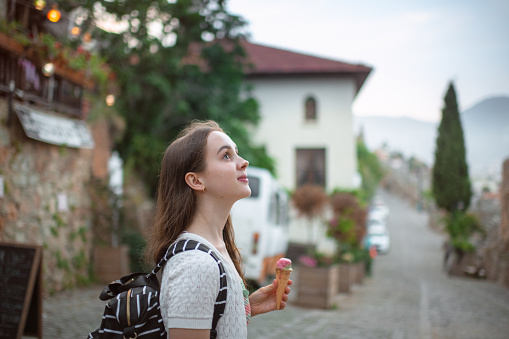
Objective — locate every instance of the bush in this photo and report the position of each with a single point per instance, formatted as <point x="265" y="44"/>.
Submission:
<point x="136" y="243"/>
<point x="461" y="226"/>
<point x="348" y="223"/>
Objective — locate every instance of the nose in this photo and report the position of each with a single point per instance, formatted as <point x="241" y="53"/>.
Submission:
<point x="243" y="163"/>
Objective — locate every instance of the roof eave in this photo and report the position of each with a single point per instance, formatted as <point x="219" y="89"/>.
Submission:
<point x="358" y="76"/>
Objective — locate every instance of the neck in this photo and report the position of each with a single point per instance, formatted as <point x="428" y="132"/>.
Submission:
<point x="209" y="220"/>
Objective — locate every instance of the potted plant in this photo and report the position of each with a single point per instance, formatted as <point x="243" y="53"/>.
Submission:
<point x="347" y="227"/>
<point x="316" y="273"/>
<point x="346" y="271"/>
<point x="460" y="250"/>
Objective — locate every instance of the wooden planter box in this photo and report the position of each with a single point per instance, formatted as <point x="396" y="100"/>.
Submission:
<point x="360" y="272"/>
<point x="317" y="286"/>
<point x="111" y="263"/>
<point x="344" y="278"/>
<point x="353" y="274"/>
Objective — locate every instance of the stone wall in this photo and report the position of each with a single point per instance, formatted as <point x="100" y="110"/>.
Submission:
<point x="494" y="217"/>
<point x="47" y="199"/>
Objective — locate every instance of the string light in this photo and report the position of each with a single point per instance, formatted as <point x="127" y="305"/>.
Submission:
<point x="54" y="14"/>
<point x="39" y="4"/>
<point x="48" y="69"/>
<point x="75" y="31"/>
<point x="110" y="100"/>
<point x="87" y="37"/>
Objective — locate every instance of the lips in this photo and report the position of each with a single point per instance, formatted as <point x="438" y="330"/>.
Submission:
<point x="243" y="178"/>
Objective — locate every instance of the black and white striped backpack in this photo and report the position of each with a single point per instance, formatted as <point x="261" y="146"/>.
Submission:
<point x="133" y="309"/>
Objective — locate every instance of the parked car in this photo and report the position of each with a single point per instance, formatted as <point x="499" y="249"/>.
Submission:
<point x="378" y="210"/>
<point x="373" y="224"/>
<point x="379" y="237"/>
<point x="261" y="225"/>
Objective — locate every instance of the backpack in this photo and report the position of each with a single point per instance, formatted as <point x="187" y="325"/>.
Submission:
<point x="133" y="309"/>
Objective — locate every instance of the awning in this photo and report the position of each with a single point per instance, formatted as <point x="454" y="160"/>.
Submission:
<point x="54" y="130"/>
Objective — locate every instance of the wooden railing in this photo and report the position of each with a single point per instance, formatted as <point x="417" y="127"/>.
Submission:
<point x="62" y="91"/>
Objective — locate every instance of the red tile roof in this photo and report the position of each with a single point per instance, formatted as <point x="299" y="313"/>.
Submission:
<point x="269" y="60"/>
<point x="274" y="62"/>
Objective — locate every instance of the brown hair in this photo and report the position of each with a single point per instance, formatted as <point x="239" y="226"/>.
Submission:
<point x="176" y="201"/>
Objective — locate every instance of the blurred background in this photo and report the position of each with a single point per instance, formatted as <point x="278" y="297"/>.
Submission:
<point x="340" y="107"/>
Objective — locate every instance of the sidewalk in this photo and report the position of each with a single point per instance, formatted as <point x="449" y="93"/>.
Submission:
<point x="72" y="314"/>
<point x="75" y="313"/>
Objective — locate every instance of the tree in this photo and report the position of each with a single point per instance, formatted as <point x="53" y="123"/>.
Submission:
<point x="451" y="183"/>
<point x="161" y="88"/>
<point x="370" y="169"/>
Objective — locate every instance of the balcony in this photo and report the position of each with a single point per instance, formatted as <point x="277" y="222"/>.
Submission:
<point x="21" y="74"/>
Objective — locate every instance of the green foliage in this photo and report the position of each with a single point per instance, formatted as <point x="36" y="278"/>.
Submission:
<point x="62" y="263"/>
<point x="80" y="260"/>
<point x="451" y="182"/>
<point x="136" y="243"/>
<point x="162" y="87"/>
<point x="371" y="172"/>
<point x="348" y="224"/>
<point x="461" y="226"/>
<point x="342" y="229"/>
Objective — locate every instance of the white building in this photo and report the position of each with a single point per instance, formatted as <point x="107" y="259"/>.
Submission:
<point x="306" y="115"/>
<point x="306" y="123"/>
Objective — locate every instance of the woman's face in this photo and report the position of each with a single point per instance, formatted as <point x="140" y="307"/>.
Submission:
<point x="225" y="171"/>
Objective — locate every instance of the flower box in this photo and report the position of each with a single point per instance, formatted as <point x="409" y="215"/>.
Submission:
<point x="360" y="272"/>
<point x="317" y="286"/>
<point x="111" y="263"/>
<point x="10" y="44"/>
<point x="346" y="273"/>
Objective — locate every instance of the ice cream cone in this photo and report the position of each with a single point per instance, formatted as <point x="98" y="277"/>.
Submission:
<point x="282" y="277"/>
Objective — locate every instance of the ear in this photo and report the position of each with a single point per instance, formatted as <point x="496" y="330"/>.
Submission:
<point x="194" y="181"/>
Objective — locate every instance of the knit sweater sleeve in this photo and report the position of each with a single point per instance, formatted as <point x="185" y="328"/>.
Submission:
<point x="189" y="287"/>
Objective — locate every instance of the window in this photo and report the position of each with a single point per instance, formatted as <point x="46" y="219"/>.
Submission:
<point x="254" y="184"/>
<point x="310" y="109"/>
<point x="310" y="166"/>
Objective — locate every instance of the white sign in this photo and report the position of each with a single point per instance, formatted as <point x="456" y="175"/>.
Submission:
<point x="62" y="204"/>
<point x="54" y="130"/>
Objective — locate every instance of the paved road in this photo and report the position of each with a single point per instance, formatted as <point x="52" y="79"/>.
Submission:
<point x="409" y="296"/>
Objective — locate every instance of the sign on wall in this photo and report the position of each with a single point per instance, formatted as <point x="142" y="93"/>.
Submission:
<point x="54" y="130"/>
<point x="21" y="292"/>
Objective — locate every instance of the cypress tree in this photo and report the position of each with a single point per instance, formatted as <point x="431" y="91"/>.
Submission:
<point x="451" y="182"/>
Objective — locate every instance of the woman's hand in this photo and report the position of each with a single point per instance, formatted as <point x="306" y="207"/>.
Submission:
<point x="264" y="299"/>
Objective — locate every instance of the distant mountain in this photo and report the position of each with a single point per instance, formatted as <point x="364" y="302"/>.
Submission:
<point x="486" y="128"/>
<point x="409" y="136"/>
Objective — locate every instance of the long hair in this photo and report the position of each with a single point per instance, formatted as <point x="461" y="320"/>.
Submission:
<point x="176" y="201"/>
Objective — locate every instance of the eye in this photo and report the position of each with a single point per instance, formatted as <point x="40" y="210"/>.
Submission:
<point x="227" y="156"/>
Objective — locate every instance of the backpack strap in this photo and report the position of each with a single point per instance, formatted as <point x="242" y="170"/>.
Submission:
<point x="189" y="245"/>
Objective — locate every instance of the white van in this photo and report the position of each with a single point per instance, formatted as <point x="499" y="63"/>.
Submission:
<point x="261" y="225"/>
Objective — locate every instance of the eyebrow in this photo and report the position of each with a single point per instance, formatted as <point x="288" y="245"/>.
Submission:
<point x="226" y="147"/>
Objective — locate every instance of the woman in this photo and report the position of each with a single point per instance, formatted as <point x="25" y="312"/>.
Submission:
<point x="202" y="176"/>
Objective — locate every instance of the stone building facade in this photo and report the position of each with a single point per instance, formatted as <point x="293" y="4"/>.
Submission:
<point x="47" y="197"/>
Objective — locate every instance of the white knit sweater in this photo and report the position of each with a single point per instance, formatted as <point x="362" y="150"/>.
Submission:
<point x="189" y="287"/>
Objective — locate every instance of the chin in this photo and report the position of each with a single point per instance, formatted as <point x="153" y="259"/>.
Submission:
<point x="247" y="193"/>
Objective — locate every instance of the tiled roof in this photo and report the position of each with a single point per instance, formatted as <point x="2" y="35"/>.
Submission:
<point x="269" y="60"/>
<point x="264" y="61"/>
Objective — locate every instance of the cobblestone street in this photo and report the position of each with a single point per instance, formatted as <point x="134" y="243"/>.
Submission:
<point x="408" y="296"/>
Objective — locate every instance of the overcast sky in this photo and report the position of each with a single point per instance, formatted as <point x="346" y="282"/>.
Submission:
<point x="415" y="47"/>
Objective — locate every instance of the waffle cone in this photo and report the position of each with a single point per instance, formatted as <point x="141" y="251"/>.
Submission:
<point x="282" y="277"/>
